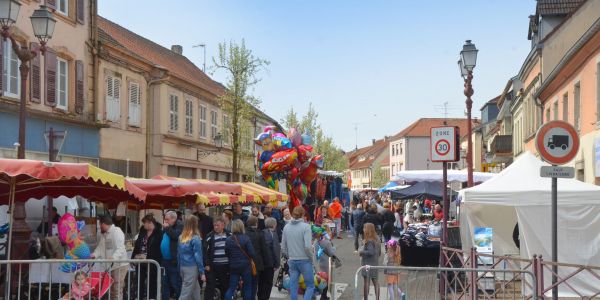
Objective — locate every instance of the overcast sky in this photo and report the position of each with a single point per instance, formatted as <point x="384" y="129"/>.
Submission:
<point x="378" y="65"/>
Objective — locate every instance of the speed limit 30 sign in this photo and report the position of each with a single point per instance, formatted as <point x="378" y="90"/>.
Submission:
<point x="444" y="144"/>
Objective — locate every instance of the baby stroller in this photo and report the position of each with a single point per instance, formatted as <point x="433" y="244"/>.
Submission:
<point x="283" y="271"/>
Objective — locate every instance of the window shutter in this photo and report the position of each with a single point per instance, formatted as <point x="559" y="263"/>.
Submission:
<point x="35" y="93"/>
<point x="79" y="94"/>
<point x="134" y="104"/>
<point x="116" y="99"/>
<point x="50" y="65"/>
<point x="51" y="4"/>
<point x="80" y="11"/>
<point x="1" y="65"/>
<point x="109" y="97"/>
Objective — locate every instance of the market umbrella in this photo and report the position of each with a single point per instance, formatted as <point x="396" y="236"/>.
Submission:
<point x="266" y="194"/>
<point x="208" y="186"/>
<point x="21" y="180"/>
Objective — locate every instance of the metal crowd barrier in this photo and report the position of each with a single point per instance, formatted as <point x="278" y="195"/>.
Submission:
<point x="45" y="279"/>
<point x="423" y="283"/>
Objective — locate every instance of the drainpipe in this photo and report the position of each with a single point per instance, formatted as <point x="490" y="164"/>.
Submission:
<point x="95" y="56"/>
<point x="158" y="75"/>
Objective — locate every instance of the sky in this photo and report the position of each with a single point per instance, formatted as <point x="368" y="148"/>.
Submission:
<point x="370" y="68"/>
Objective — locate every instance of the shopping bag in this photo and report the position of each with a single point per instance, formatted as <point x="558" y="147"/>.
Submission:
<point x="100" y="282"/>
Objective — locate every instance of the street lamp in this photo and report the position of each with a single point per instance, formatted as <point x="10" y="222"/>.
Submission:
<point x="218" y="142"/>
<point x="467" y="62"/>
<point x="43" y="28"/>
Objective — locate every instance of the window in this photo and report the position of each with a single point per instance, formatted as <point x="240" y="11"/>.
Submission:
<point x="213" y="124"/>
<point x="399" y="148"/>
<point x="11" y="78"/>
<point x="565" y="105"/>
<point x="555" y="110"/>
<point x="135" y="114"/>
<point x="113" y="98"/>
<point x="62" y="86"/>
<point x="63" y="7"/>
<point x="577" y="106"/>
<point x="393" y="150"/>
<point x="202" y="123"/>
<point x="225" y="129"/>
<point x="189" y="117"/>
<point x="173" y="113"/>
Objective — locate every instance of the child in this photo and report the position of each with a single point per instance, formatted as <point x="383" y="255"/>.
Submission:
<point x="369" y="255"/>
<point x="80" y="287"/>
<point x="393" y="258"/>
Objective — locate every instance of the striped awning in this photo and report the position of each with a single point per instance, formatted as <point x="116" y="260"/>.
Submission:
<point x="265" y="194"/>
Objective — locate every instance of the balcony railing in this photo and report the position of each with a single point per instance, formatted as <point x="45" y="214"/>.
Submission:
<point x="502" y="144"/>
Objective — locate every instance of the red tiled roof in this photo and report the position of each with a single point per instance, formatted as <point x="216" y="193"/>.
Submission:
<point x="557" y="7"/>
<point x="422" y="127"/>
<point x="370" y="153"/>
<point x="177" y="65"/>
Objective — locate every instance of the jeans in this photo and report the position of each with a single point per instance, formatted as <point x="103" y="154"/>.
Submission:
<point x="338" y="227"/>
<point x="304" y="267"/>
<point x="217" y="278"/>
<point x="356" y="236"/>
<point x="171" y="280"/>
<point x="234" y="279"/>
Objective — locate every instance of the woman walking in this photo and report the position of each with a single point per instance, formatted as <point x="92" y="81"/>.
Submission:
<point x="240" y="253"/>
<point x="263" y="256"/>
<point x="189" y="258"/>
<point x="369" y="255"/>
<point x="147" y="246"/>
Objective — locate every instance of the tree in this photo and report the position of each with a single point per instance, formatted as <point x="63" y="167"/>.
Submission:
<point x="334" y="158"/>
<point x="380" y="176"/>
<point x="242" y="68"/>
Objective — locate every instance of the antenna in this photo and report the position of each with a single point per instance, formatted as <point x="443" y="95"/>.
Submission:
<point x="355" y="135"/>
<point x="204" y="48"/>
<point x="445" y="108"/>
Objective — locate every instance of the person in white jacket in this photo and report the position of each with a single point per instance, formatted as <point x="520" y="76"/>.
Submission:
<point x="111" y="245"/>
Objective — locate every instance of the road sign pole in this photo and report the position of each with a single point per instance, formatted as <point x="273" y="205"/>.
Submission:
<point x="446" y="211"/>
<point x="554" y="237"/>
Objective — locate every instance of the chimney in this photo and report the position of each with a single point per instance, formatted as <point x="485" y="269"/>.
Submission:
<point x="373" y="141"/>
<point x="177" y="49"/>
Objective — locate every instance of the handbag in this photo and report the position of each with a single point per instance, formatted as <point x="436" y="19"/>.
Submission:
<point x="252" y="264"/>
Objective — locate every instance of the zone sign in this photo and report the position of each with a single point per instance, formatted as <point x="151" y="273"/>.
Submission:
<point x="444" y="144"/>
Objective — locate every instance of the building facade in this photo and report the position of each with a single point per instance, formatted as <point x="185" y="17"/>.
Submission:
<point x="59" y="88"/>
<point x="362" y="163"/>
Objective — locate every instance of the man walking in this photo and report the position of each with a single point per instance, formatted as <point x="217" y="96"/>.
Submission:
<point x="296" y="245"/>
<point x="205" y="221"/>
<point x="216" y="262"/>
<point x="112" y="246"/>
<point x="238" y="213"/>
<point x="171" y="281"/>
<point x="358" y="218"/>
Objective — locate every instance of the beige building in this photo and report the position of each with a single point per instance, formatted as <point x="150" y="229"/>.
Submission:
<point x="59" y="89"/>
<point x="362" y="163"/>
<point x="162" y="113"/>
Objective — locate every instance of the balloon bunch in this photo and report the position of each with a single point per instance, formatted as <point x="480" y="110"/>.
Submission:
<point x="68" y="233"/>
<point x="320" y="280"/>
<point x="288" y="157"/>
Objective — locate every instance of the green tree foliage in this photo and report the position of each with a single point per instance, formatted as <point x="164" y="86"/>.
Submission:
<point x="241" y="67"/>
<point x="334" y="157"/>
<point x="380" y="176"/>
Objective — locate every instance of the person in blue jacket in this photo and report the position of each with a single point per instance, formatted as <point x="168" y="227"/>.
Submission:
<point x="240" y="253"/>
<point x="189" y="259"/>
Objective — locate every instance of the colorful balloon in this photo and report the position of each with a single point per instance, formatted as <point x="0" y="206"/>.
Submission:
<point x="280" y="161"/>
<point x="265" y="141"/>
<point x="295" y="137"/>
<point x="300" y="190"/>
<point x="68" y="233"/>
<point x="282" y="143"/>
<point x="306" y="139"/>
<point x="309" y="174"/>
<point x="305" y="153"/>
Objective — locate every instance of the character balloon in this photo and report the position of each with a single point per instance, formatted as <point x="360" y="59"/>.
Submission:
<point x="68" y="233"/>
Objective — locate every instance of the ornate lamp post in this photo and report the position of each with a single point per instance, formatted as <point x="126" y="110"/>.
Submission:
<point x="43" y="27"/>
<point x="467" y="62"/>
<point x="218" y="145"/>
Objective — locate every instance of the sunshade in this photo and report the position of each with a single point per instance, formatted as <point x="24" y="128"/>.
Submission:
<point x="436" y="176"/>
<point x="420" y="190"/>
<point x="37" y="179"/>
<point x="265" y="194"/>
<point x="209" y="186"/>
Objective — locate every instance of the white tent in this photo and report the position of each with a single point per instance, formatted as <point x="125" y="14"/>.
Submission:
<point x="436" y="176"/>
<point x="519" y="194"/>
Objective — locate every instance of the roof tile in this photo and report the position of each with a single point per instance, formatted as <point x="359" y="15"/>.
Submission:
<point x="422" y="127"/>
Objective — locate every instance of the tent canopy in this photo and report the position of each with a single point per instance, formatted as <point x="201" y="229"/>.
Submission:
<point x="421" y="190"/>
<point x="519" y="195"/>
<point x="436" y="176"/>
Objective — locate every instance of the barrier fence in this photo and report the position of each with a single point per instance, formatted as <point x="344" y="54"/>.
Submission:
<point x="55" y="279"/>
<point x="573" y="280"/>
<point x="417" y="283"/>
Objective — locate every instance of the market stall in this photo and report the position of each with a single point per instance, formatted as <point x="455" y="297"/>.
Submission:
<point x="518" y="195"/>
<point x="420" y="190"/>
<point x="436" y="176"/>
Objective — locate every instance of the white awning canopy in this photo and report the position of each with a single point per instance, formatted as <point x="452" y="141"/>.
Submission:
<point x="436" y="175"/>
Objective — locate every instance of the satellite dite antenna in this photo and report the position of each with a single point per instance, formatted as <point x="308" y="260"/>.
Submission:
<point x="204" y="48"/>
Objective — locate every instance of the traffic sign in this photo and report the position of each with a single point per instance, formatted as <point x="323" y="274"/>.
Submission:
<point x="444" y="144"/>
<point x="557" y="172"/>
<point x="557" y="142"/>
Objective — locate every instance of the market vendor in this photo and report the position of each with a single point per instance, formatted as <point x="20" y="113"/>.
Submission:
<point x="438" y="213"/>
<point x="43" y="227"/>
